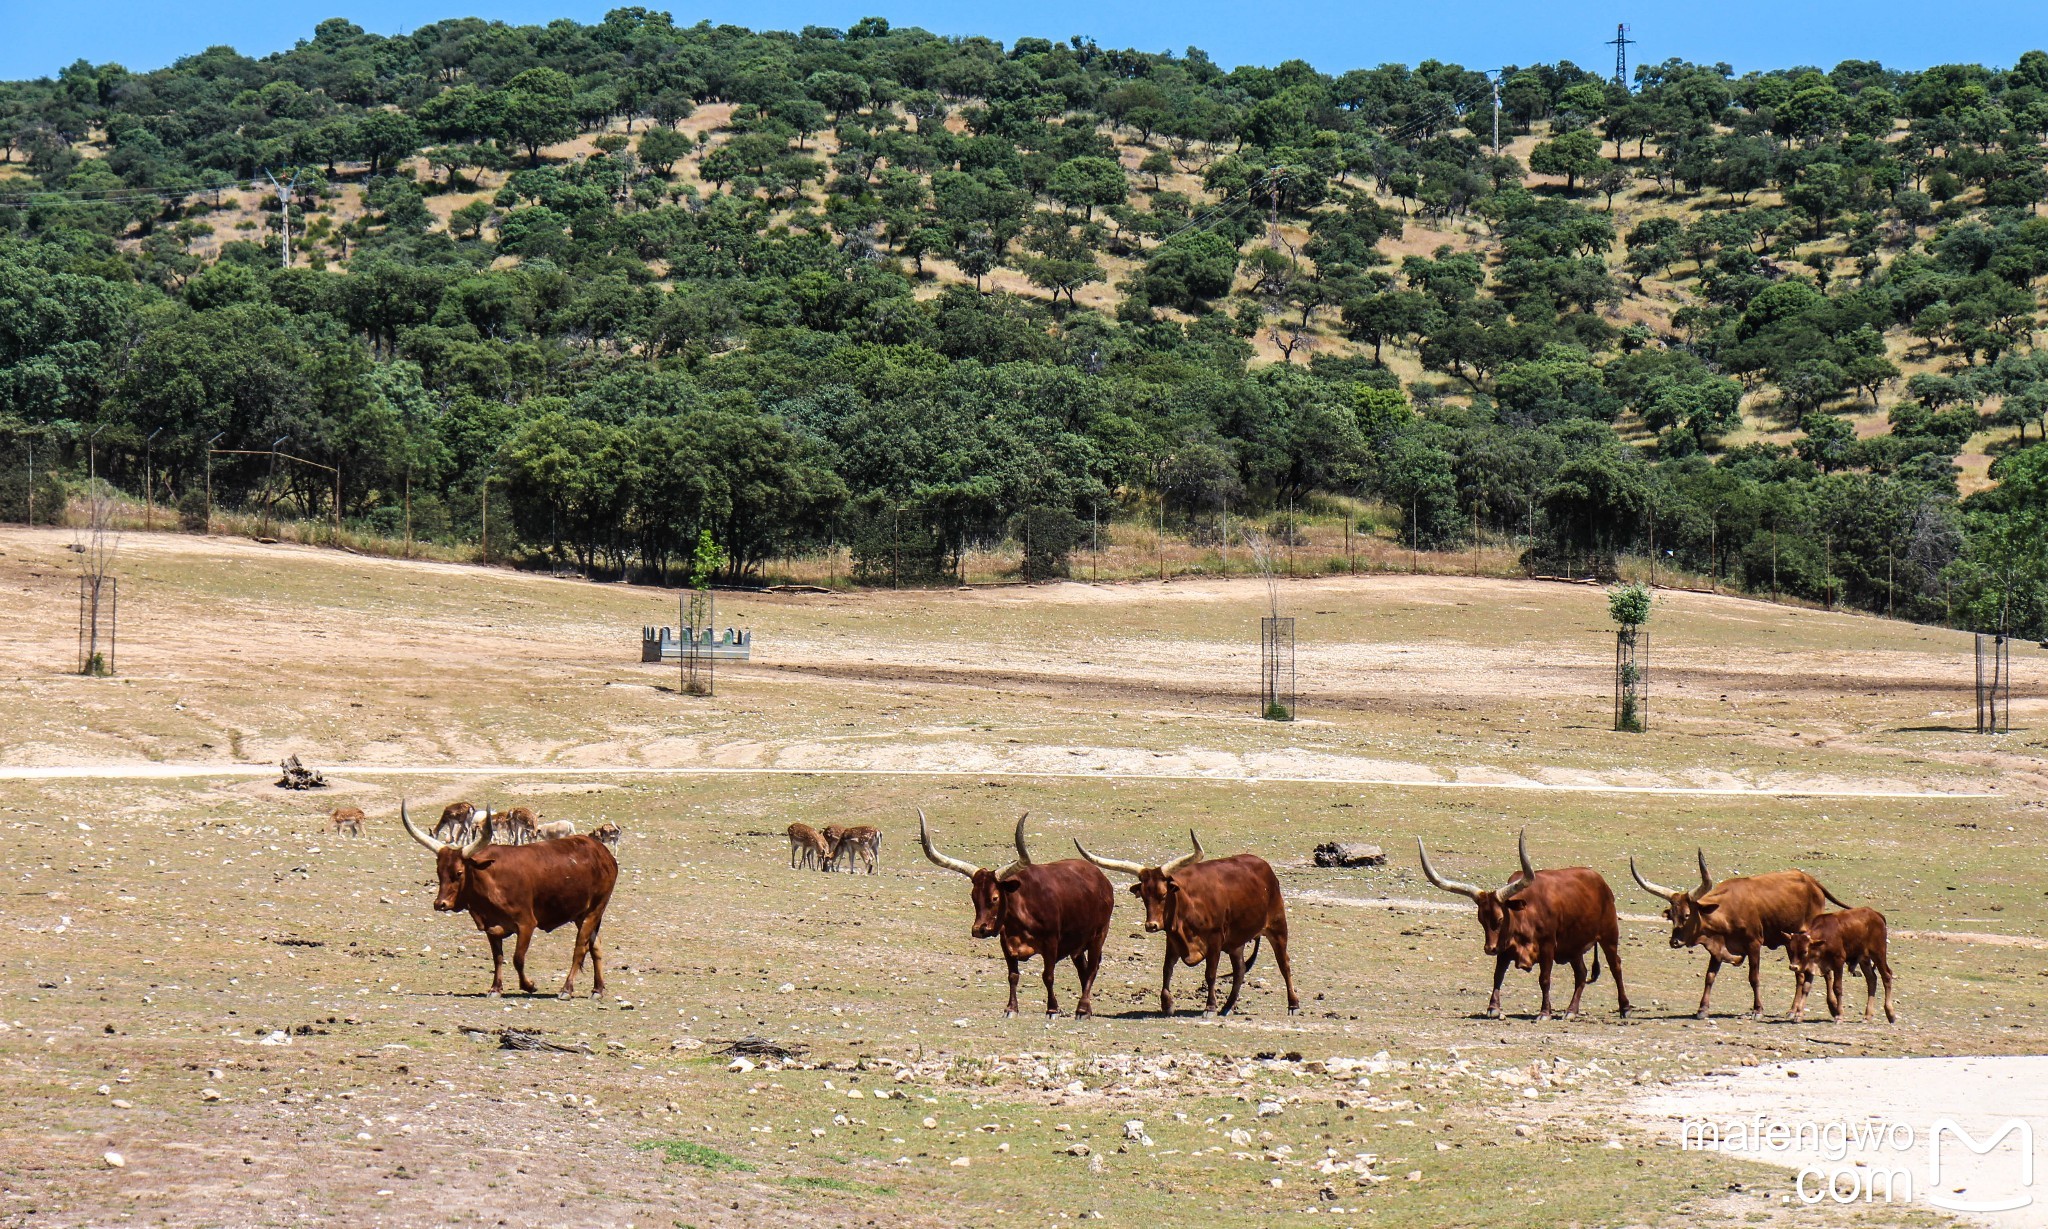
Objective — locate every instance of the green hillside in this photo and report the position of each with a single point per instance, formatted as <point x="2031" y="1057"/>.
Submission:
<point x="917" y="295"/>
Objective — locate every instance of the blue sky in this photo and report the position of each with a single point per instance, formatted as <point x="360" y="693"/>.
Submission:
<point x="43" y="35"/>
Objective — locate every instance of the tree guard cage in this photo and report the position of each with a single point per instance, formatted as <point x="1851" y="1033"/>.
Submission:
<point x="99" y="623"/>
<point x="1632" y="679"/>
<point x="699" y="612"/>
<point x="1994" y="684"/>
<point x="1276" y="669"/>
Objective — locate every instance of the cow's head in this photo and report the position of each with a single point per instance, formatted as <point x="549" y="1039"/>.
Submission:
<point x="453" y="863"/>
<point x="1688" y="912"/>
<point x="1156" y="888"/>
<point x="992" y="891"/>
<point x="1502" y="914"/>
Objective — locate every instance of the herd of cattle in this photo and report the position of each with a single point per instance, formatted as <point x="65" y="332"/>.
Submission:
<point x="541" y="876"/>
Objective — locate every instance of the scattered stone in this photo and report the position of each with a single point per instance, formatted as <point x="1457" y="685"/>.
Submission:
<point x="1349" y="853"/>
<point x="740" y="1065"/>
<point x="114" y="1160"/>
<point x="1077" y="1148"/>
<point x="1269" y="1108"/>
<point x="119" y="1104"/>
<point x="209" y="1094"/>
<point x="961" y="1162"/>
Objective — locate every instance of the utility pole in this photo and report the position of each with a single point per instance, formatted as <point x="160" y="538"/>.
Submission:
<point x="284" y="201"/>
<point x="1494" y="78"/>
<point x="270" y="487"/>
<point x="149" y="480"/>
<point x="1620" y="42"/>
<point x="209" y="480"/>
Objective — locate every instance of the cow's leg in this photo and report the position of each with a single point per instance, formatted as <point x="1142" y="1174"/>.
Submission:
<point x="1543" y="967"/>
<point x="1052" y="966"/>
<point x="1166" y="984"/>
<point x="1500" y="974"/>
<point x="1236" y="979"/>
<point x="1756" y="981"/>
<point x="1837" y="980"/>
<point x="1612" y="947"/>
<point x="497" y="963"/>
<point x="1088" y="972"/>
<point x="1278" y="938"/>
<point x="1884" y="967"/>
<point x="596" y="963"/>
<point x="1209" y="978"/>
<point x="586" y="942"/>
<point x="1011" y="1010"/>
<point x="1795" y="951"/>
<point x="1707" y="991"/>
<point x="519" y="958"/>
<point x="1571" y="1011"/>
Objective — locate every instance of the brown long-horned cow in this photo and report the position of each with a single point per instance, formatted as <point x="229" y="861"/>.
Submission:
<point x="1736" y="919"/>
<point x="1058" y="910"/>
<point x="1209" y="910"/>
<point x="517" y="889"/>
<point x="1541" y="917"/>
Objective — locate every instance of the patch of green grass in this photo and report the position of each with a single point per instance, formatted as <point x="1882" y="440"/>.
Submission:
<point x="808" y="1182"/>
<point x="694" y="1154"/>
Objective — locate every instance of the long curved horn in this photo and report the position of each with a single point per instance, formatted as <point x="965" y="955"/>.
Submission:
<point x="1528" y="872"/>
<point x="1706" y="878"/>
<point x="1669" y="894"/>
<point x="1011" y="869"/>
<point x="924" y="837"/>
<point x="1448" y="885"/>
<point x="1167" y="868"/>
<point x="1110" y="864"/>
<point x="1023" y="854"/>
<point x="415" y="833"/>
<point x="482" y="838"/>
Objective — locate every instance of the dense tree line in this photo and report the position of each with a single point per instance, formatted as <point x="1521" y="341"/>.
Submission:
<point x="780" y="326"/>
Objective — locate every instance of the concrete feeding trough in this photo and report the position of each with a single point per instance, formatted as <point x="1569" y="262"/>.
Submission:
<point x="663" y="644"/>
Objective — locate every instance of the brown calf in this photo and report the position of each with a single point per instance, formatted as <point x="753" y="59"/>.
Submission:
<point x="1852" y="939"/>
<point x="607" y="834"/>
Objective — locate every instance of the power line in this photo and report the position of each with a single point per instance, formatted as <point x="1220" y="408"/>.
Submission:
<point x="1620" y="42"/>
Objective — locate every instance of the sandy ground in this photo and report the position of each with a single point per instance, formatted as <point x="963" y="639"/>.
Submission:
<point x="170" y="911"/>
<point x="1840" y="1121"/>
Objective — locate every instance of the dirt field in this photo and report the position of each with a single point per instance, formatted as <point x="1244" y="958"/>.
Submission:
<point x="267" y="1024"/>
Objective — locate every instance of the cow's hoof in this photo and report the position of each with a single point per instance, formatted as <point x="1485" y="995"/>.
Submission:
<point x="1701" y="1014"/>
<point x="1010" y="1015"/>
<point x="1542" y="1016"/>
<point x="1493" y="1013"/>
<point x="1294" y="1009"/>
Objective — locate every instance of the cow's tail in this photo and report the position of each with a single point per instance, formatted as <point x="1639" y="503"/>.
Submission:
<point x="1830" y="895"/>
<point x="1255" y="953"/>
<point x="1595" y="976"/>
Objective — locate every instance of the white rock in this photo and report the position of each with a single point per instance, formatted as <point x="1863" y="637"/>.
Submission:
<point x="114" y="1160"/>
<point x="119" y="1104"/>
<point x="1241" y="1137"/>
<point x="930" y="1123"/>
<point x="961" y="1162"/>
<point x="785" y="988"/>
<point x="740" y="1065"/>
<point x="1269" y="1108"/>
<point x="686" y="1043"/>
<point x="1077" y="1148"/>
<point x="209" y="1094"/>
